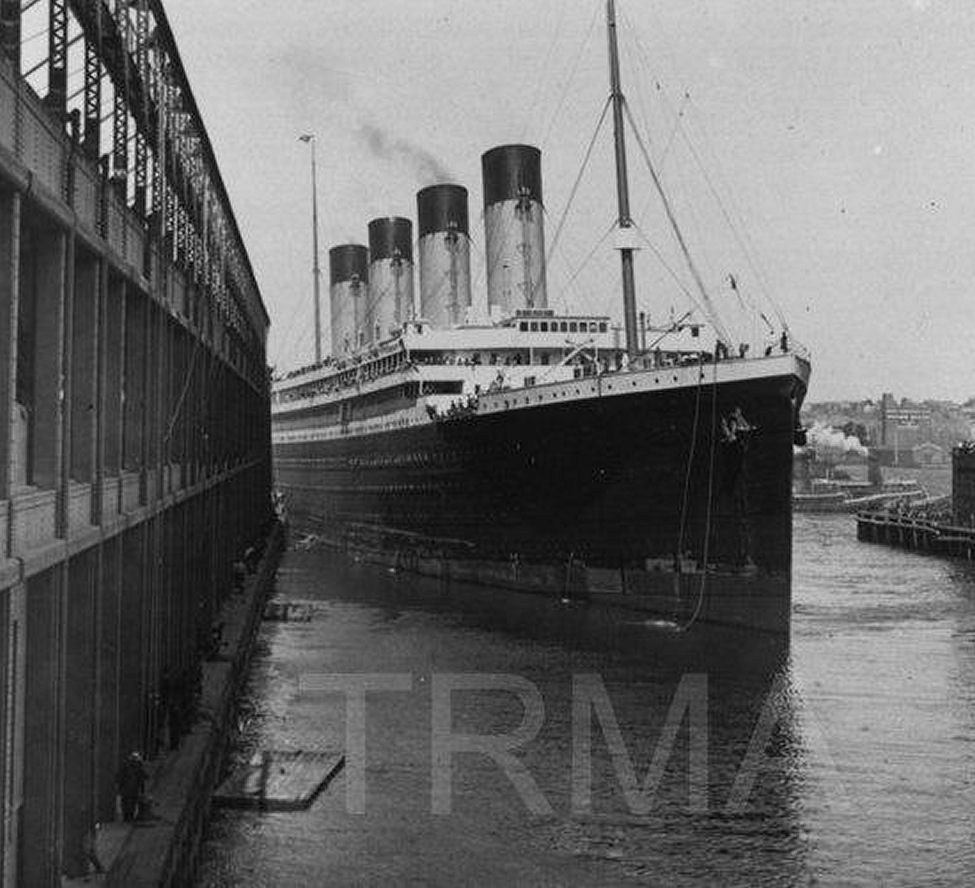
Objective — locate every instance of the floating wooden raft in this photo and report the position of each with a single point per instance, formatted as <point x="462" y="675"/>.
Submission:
<point x="279" y="780"/>
<point x="288" y="611"/>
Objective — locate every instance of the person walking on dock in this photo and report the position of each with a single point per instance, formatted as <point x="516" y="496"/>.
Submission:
<point x="90" y="847"/>
<point x="131" y="783"/>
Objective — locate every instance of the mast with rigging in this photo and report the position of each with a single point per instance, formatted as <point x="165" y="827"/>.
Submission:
<point x="622" y="187"/>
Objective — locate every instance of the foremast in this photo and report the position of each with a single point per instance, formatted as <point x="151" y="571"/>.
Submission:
<point x="622" y="186"/>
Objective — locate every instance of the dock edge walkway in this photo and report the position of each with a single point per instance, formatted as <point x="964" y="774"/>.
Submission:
<point x="163" y="850"/>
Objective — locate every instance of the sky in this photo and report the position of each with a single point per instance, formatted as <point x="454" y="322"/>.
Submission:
<point x="820" y="151"/>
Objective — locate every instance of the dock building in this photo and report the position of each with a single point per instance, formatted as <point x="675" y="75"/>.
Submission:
<point x="134" y="423"/>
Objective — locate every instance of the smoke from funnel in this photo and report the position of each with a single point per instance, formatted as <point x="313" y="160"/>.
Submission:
<point x="822" y="436"/>
<point x="427" y="169"/>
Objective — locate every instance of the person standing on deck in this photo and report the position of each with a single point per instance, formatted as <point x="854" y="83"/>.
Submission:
<point x="131" y="783"/>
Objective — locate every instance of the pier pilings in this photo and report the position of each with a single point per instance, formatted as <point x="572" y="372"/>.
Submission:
<point x="916" y="533"/>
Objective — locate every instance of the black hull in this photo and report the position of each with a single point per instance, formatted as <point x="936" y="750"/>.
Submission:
<point x="646" y="498"/>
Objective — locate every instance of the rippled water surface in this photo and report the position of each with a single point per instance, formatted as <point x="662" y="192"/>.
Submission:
<point x="848" y="758"/>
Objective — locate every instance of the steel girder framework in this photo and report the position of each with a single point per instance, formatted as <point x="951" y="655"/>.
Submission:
<point x="161" y="159"/>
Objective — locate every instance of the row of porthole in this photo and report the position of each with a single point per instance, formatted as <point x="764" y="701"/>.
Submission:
<point x="384" y="427"/>
<point x="408" y="459"/>
<point x="541" y="398"/>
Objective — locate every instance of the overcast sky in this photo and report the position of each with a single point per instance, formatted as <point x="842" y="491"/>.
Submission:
<point x="838" y="136"/>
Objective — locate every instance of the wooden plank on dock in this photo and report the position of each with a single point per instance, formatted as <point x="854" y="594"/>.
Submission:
<point x="279" y="780"/>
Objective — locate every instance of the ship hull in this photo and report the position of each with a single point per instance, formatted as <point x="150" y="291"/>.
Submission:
<point x="654" y="500"/>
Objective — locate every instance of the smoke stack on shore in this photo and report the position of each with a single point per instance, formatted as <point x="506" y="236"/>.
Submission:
<point x="445" y="254"/>
<point x="390" y="276"/>
<point x="348" y="290"/>
<point x="514" y="228"/>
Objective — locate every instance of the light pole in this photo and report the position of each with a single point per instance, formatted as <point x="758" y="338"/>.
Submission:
<point x="316" y="271"/>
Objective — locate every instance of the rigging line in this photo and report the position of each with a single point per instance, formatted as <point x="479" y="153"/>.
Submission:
<point x="709" y="307"/>
<point x="709" y="506"/>
<point x="685" y="191"/>
<point x="578" y="180"/>
<point x="690" y="464"/>
<point x="644" y="56"/>
<point x="674" y="327"/>
<point x="705" y="138"/>
<point x="665" y="44"/>
<point x="543" y="74"/>
<point x="670" y="144"/>
<point x="572" y="74"/>
<point x="592" y="252"/>
<point x="580" y="298"/>
<point x="677" y="113"/>
<point x="743" y="297"/>
<point x="685" y="101"/>
<point x="645" y="71"/>
<point x="683" y="287"/>
<point x="296" y="313"/>
<point x="738" y="235"/>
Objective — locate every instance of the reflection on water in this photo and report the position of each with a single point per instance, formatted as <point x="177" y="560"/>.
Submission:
<point x="847" y="758"/>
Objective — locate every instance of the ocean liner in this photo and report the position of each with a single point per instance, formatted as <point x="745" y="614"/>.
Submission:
<point x="512" y="445"/>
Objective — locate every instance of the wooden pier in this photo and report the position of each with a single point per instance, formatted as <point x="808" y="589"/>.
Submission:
<point x="916" y="533"/>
